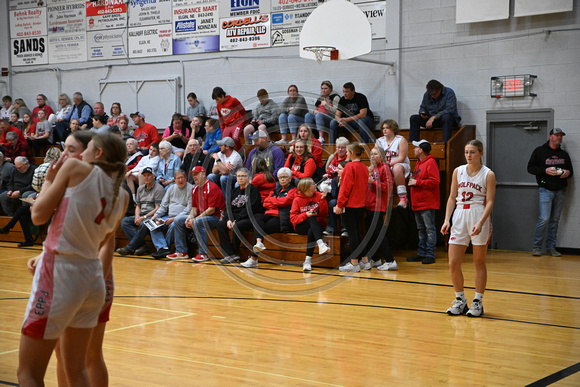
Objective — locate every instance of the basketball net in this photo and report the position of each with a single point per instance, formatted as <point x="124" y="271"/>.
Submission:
<point x="323" y="51"/>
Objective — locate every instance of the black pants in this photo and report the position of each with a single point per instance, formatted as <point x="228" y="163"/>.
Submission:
<point x="313" y="229"/>
<point x="37" y="144"/>
<point x="232" y="247"/>
<point x="352" y="218"/>
<point x="22" y="215"/>
<point x="378" y="244"/>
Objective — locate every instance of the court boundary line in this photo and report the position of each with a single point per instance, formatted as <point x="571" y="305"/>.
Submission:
<point x="556" y="376"/>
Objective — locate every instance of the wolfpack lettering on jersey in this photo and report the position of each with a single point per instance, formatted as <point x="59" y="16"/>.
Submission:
<point x="392" y="149"/>
<point x="310" y="207"/>
<point x="471" y="190"/>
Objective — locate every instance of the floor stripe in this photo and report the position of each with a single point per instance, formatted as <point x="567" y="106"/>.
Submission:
<point x="5" y="383"/>
<point x="148" y="323"/>
<point x="557" y="376"/>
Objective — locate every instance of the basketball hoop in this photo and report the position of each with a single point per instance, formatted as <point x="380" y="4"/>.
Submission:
<point x="323" y="51"/>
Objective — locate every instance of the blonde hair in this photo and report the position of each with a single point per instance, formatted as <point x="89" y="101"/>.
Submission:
<point x="113" y="158"/>
<point x="310" y="137"/>
<point x="478" y="144"/>
<point x="52" y="154"/>
<point x="305" y="184"/>
<point x="356" y="148"/>
<point x="381" y="153"/>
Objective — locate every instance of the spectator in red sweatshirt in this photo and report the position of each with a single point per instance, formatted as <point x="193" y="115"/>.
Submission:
<point x="351" y="203"/>
<point x="232" y="115"/>
<point x="378" y="200"/>
<point x="425" y="200"/>
<point x="308" y="212"/>
<point x="302" y="163"/>
<point x="262" y="179"/>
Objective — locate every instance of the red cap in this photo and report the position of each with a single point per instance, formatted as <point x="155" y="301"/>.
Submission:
<point x="198" y="169"/>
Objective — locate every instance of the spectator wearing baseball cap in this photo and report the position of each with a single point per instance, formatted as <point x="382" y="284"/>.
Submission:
<point x="207" y="204"/>
<point x="424" y="185"/>
<point x="267" y="150"/>
<point x="145" y="134"/>
<point x="552" y="167"/>
<point x="147" y="201"/>
<point x="227" y="163"/>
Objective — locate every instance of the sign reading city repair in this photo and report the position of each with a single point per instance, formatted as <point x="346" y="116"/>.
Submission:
<point x="29" y="51"/>
<point x="149" y="12"/>
<point x="67" y="48"/>
<point x="106" y="14"/>
<point x="66" y="18"/>
<point x="150" y="41"/>
<point x="198" y="20"/>
<point x="28" y="22"/>
<point x="21" y="4"/>
<point x="237" y="8"/>
<point x="245" y="33"/>
<point x="196" y="45"/>
<point x="110" y="44"/>
<point x="289" y="5"/>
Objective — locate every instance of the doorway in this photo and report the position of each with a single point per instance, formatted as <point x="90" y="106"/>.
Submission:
<point x="512" y="136"/>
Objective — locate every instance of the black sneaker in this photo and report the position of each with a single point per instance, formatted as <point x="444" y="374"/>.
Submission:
<point x="26" y="244"/>
<point x="161" y="253"/>
<point x="415" y="258"/>
<point x="4" y="230"/>
<point x="428" y="260"/>
<point x="143" y="250"/>
<point x="124" y="251"/>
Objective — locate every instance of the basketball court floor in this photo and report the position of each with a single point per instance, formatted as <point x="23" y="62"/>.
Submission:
<point x="179" y="323"/>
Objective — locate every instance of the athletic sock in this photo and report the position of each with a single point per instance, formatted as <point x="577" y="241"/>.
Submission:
<point x="460" y="295"/>
<point x="478" y="296"/>
<point x="320" y="243"/>
<point x="308" y="258"/>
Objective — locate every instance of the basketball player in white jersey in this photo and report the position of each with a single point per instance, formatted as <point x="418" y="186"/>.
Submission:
<point x="68" y="290"/>
<point x="397" y="156"/>
<point x="472" y="195"/>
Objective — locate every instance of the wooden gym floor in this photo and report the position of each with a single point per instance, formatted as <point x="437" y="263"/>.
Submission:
<point x="179" y="323"/>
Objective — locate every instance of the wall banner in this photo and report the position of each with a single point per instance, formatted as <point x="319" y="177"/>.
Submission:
<point x="198" y="20"/>
<point x="245" y="33"/>
<point x="150" y="41"/>
<point x="237" y="8"/>
<point x="286" y="37"/>
<point x="28" y="22"/>
<point x="29" y="51"/>
<point x="66" y="18"/>
<point x="149" y="12"/>
<point x="106" y="14"/>
<point x="290" y="19"/>
<point x="21" y="4"/>
<point x="111" y="44"/>
<point x="375" y="12"/>
<point x="67" y="48"/>
<point x="196" y="45"/>
<point x="290" y="5"/>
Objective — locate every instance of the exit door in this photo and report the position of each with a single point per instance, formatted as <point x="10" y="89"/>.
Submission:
<point x="512" y="137"/>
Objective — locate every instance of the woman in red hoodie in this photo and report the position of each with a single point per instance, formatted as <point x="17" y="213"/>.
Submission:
<point x="308" y="212"/>
<point x="263" y="179"/>
<point x="305" y="133"/>
<point x="301" y="162"/>
<point x="378" y="201"/>
<point x="232" y="115"/>
<point x="351" y="203"/>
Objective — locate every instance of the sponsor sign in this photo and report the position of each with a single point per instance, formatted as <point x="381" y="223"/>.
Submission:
<point x="290" y="5"/>
<point x="29" y="51"/>
<point x="183" y="3"/>
<point x="149" y="12"/>
<point x="237" y="8"/>
<point x="376" y="13"/>
<point x="67" y="18"/>
<point x="196" y="45"/>
<point x="110" y="44"/>
<point x="67" y="48"/>
<point x="197" y="20"/>
<point x="28" y="22"/>
<point x="290" y="18"/>
<point x="150" y="41"/>
<point x="21" y="4"/>
<point x="286" y="37"/>
<point x="106" y="14"/>
<point x="245" y="33"/>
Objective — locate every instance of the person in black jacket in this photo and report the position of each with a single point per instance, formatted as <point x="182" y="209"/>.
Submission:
<point x="552" y="167"/>
<point x="245" y="203"/>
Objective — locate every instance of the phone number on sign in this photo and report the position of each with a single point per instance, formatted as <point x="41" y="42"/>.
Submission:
<point x="28" y="33"/>
<point x="245" y="39"/>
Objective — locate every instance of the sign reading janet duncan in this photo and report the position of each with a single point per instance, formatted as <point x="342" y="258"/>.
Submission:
<point x="195" y="20"/>
<point x="106" y="14"/>
<point x="29" y="51"/>
<point x="110" y="44"/>
<point x="67" y="48"/>
<point x="245" y="33"/>
<point x="237" y="8"/>
<point x="28" y="22"/>
<point x="196" y="45"/>
<point x="150" y="41"/>
<point x="67" y="18"/>
<point x="375" y="12"/>
<point x="21" y="4"/>
<point x="149" y="12"/>
<point x="289" y="5"/>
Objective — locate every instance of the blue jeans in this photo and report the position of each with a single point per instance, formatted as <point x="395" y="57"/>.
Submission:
<point x="427" y="233"/>
<point x="321" y="120"/>
<point x="180" y="233"/>
<point x="201" y="226"/>
<point x="289" y="121"/>
<point x="364" y="127"/>
<point x="161" y="241"/>
<point x="551" y="203"/>
<point x="128" y="227"/>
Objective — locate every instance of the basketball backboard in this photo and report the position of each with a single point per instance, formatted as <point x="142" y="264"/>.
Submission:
<point x="339" y="24"/>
